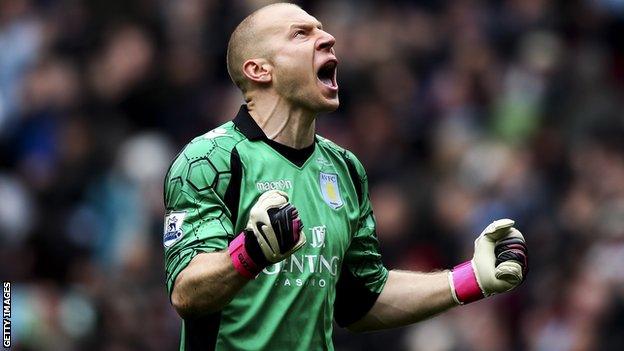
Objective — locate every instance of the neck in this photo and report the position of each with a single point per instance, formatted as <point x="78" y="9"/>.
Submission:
<point x="282" y="122"/>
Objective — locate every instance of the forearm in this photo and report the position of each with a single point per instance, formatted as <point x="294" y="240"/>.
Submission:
<point x="207" y="284"/>
<point x="211" y="280"/>
<point x="407" y="297"/>
<point x="499" y="264"/>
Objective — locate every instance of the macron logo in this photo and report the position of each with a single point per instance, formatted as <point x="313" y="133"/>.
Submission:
<point x="281" y="184"/>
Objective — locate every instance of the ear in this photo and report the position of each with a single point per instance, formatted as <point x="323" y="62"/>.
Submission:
<point x="258" y="70"/>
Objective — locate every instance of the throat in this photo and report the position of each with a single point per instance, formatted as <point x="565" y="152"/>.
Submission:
<point x="285" y="124"/>
<point x="294" y="140"/>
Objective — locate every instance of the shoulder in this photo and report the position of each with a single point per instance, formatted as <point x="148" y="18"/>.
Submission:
<point x="206" y="159"/>
<point x="215" y="144"/>
<point x="356" y="170"/>
<point x="349" y="157"/>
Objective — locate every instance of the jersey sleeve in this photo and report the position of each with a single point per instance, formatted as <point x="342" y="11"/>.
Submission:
<point x="197" y="218"/>
<point x="363" y="274"/>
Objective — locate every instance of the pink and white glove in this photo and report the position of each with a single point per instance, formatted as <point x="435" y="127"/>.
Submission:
<point x="499" y="264"/>
<point x="274" y="231"/>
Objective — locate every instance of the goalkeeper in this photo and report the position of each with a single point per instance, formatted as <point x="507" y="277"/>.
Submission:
<point x="269" y="233"/>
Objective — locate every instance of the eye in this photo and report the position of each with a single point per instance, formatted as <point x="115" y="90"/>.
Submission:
<point x="299" y="32"/>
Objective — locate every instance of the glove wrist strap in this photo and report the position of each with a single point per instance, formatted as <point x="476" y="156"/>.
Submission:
<point x="242" y="261"/>
<point x="465" y="284"/>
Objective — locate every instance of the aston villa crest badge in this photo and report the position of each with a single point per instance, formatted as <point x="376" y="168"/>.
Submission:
<point x="330" y="190"/>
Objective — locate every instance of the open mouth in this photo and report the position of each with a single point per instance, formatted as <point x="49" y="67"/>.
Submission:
<point x="327" y="74"/>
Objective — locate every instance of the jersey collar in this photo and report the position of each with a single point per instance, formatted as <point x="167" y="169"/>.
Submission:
<point x="250" y="129"/>
<point x="248" y="126"/>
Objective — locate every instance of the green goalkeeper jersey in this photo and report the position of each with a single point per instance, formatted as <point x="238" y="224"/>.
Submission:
<point x="338" y="274"/>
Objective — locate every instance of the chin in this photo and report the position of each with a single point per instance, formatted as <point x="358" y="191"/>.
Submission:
<point x="320" y="104"/>
<point x="326" y="97"/>
<point x="330" y="105"/>
<point x="326" y="103"/>
<point x="315" y="100"/>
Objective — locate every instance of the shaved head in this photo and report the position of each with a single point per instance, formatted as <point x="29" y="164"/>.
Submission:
<point x="281" y="53"/>
<point x="247" y="42"/>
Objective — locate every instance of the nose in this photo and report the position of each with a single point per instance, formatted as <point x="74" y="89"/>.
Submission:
<point x="326" y="42"/>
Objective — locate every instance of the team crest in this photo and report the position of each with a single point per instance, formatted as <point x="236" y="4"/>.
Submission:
<point x="330" y="190"/>
<point x="173" y="227"/>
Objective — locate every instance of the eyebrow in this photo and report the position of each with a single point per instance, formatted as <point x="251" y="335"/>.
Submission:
<point x="307" y="25"/>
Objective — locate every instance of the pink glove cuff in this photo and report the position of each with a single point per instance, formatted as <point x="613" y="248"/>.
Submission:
<point x="465" y="283"/>
<point x="241" y="259"/>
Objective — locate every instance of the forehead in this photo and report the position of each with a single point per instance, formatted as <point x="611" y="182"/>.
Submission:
<point x="279" y="18"/>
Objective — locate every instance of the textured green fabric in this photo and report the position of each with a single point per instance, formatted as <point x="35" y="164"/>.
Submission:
<point x="290" y="305"/>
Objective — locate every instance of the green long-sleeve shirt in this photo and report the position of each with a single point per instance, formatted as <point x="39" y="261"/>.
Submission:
<point x="209" y="190"/>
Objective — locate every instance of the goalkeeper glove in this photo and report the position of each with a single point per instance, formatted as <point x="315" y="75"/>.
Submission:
<point x="499" y="264"/>
<point x="274" y="231"/>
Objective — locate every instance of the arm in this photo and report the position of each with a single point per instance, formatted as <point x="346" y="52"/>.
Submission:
<point x="204" y="267"/>
<point x="373" y="298"/>
<point x="368" y="297"/>
<point x="498" y="265"/>
<point x="210" y="280"/>
<point x="407" y="297"/>
<point x="207" y="284"/>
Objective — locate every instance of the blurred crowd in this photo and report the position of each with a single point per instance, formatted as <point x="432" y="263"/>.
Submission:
<point x="462" y="112"/>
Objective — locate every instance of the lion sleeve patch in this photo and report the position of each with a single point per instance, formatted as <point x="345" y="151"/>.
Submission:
<point x="173" y="227"/>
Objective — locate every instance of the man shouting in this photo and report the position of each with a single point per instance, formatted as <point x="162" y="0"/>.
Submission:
<point x="269" y="231"/>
